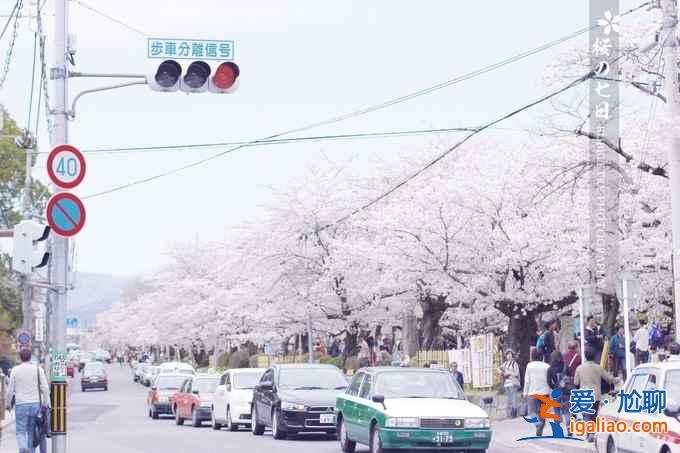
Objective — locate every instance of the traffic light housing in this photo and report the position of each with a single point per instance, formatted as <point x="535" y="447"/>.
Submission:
<point x="26" y="253"/>
<point x="197" y="78"/>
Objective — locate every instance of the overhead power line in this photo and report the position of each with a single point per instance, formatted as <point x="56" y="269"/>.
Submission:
<point x="363" y="111"/>
<point x="111" y="18"/>
<point x="9" y="19"/>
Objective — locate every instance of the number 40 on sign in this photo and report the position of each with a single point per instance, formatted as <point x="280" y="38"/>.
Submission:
<point x="66" y="166"/>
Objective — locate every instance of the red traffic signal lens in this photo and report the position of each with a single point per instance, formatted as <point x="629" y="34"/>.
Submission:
<point x="197" y="74"/>
<point x="168" y="73"/>
<point x="226" y="75"/>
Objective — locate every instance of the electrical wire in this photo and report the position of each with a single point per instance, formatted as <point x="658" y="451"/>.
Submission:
<point x="317" y="138"/>
<point x="9" y="19"/>
<point x="457" y="145"/>
<point x="111" y="18"/>
<point x="30" y="97"/>
<point x="361" y="111"/>
<point x="12" y="42"/>
<point x="43" y="69"/>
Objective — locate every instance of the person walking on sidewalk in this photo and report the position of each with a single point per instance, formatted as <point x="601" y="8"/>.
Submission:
<point x="28" y="387"/>
<point x="589" y="376"/>
<point x="618" y="351"/>
<point x="510" y="372"/>
<point x="536" y="383"/>
<point x="641" y="340"/>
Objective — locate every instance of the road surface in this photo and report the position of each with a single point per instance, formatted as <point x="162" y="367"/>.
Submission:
<point x="116" y="421"/>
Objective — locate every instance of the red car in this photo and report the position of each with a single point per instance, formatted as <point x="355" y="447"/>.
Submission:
<point x="163" y="387"/>
<point x="193" y="401"/>
<point x="70" y="369"/>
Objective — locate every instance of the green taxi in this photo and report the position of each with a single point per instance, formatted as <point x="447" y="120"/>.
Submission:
<point x="409" y="409"/>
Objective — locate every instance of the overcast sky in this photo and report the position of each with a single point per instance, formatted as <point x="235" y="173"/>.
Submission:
<point x="301" y="62"/>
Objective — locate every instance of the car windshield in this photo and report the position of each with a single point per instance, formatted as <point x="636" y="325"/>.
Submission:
<point x="246" y="380"/>
<point x="93" y="369"/>
<point x="673" y="386"/>
<point x="185" y="371"/>
<point x="417" y="385"/>
<point x="205" y="385"/>
<point x="312" y="378"/>
<point x="170" y="382"/>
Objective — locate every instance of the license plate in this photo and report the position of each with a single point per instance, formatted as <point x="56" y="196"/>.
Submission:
<point x="442" y="438"/>
<point x="94" y="379"/>
<point x="327" y="419"/>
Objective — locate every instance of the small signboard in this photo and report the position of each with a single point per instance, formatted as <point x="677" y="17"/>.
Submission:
<point x="58" y="367"/>
<point x="66" y="166"/>
<point x="65" y="214"/>
<point x="24" y="339"/>
<point x="202" y="49"/>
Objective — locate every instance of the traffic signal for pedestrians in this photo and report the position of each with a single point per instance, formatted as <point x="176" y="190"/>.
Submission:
<point x="197" y="78"/>
<point x="27" y="253"/>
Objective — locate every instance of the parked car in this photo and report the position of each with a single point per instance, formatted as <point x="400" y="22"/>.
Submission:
<point x="160" y="395"/>
<point x="139" y="371"/>
<point x="149" y="374"/>
<point x="296" y="398"/>
<point x="85" y="357"/>
<point x="176" y="368"/>
<point x="233" y="398"/>
<point x="102" y="355"/>
<point x="649" y="376"/>
<point x="409" y="408"/>
<point x="194" y="399"/>
<point x="94" y="376"/>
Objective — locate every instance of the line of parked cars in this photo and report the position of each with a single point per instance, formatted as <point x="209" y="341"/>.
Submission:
<point x="382" y="407"/>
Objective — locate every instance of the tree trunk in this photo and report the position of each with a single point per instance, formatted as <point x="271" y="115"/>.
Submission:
<point x="521" y="332"/>
<point x="351" y="335"/>
<point x="610" y="311"/>
<point x="433" y="310"/>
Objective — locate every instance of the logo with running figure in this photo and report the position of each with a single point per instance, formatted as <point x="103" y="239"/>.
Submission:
<point x="544" y="416"/>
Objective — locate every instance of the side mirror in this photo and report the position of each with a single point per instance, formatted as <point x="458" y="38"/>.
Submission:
<point x="154" y="389"/>
<point x="195" y="391"/>
<point x="265" y="386"/>
<point x="380" y="399"/>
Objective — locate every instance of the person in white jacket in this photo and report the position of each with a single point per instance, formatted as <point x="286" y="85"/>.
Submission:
<point x="536" y="383"/>
<point x="27" y="383"/>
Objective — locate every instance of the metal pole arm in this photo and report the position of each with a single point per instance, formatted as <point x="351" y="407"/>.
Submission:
<point x="106" y="75"/>
<point x="72" y="112"/>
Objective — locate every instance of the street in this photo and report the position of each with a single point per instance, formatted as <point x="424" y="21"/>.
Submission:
<point x="116" y="422"/>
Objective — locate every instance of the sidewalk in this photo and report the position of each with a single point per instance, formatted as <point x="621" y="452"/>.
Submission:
<point x="506" y="433"/>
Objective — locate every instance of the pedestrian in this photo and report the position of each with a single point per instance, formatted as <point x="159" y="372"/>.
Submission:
<point x="589" y="376"/>
<point x="29" y="390"/>
<point x="384" y="357"/>
<point x="364" y="355"/>
<point x="510" y="371"/>
<point x="571" y="358"/>
<point x="594" y="337"/>
<point x="674" y="352"/>
<point x="556" y="380"/>
<point x="641" y="340"/>
<point x="536" y="383"/>
<point x="618" y="351"/>
<point x="457" y="375"/>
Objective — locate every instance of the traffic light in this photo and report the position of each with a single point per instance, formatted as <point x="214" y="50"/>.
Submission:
<point x="197" y="78"/>
<point x="26" y="255"/>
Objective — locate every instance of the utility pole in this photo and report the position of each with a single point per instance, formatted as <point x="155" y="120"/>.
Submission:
<point x="26" y="290"/>
<point x="60" y="245"/>
<point x="670" y="55"/>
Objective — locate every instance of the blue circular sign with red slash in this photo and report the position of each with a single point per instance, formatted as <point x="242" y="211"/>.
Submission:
<point x="65" y="214"/>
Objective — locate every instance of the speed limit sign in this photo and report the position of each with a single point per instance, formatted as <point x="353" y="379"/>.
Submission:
<point x="66" y="166"/>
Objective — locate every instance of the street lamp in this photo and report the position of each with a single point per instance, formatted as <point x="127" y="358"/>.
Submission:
<point x="628" y="290"/>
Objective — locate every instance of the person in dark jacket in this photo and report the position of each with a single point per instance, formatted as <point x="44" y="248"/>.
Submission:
<point x="555" y="381"/>
<point x="457" y="374"/>
<point x="594" y="337"/>
<point x="618" y="351"/>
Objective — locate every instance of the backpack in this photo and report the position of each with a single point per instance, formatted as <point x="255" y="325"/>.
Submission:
<point x="540" y="343"/>
<point x="656" y="337"/>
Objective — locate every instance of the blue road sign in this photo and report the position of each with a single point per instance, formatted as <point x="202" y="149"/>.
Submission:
<point x="195" y="49"/>
<point x="65" y="214"/>
<point x="24" y="338"/>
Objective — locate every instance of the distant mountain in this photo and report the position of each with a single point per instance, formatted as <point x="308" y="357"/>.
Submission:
<point x="94" y="294"/>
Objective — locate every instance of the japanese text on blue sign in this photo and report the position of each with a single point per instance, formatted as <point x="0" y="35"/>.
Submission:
<point x="190" y="49"/>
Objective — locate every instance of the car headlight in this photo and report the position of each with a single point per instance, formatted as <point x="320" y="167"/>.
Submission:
<point x="477" y="423"/>
<point x="402" y="422"/>
<point x="286" y="406"/>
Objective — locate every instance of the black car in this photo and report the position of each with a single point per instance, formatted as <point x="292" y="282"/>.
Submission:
<point x="297" y="398"/>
